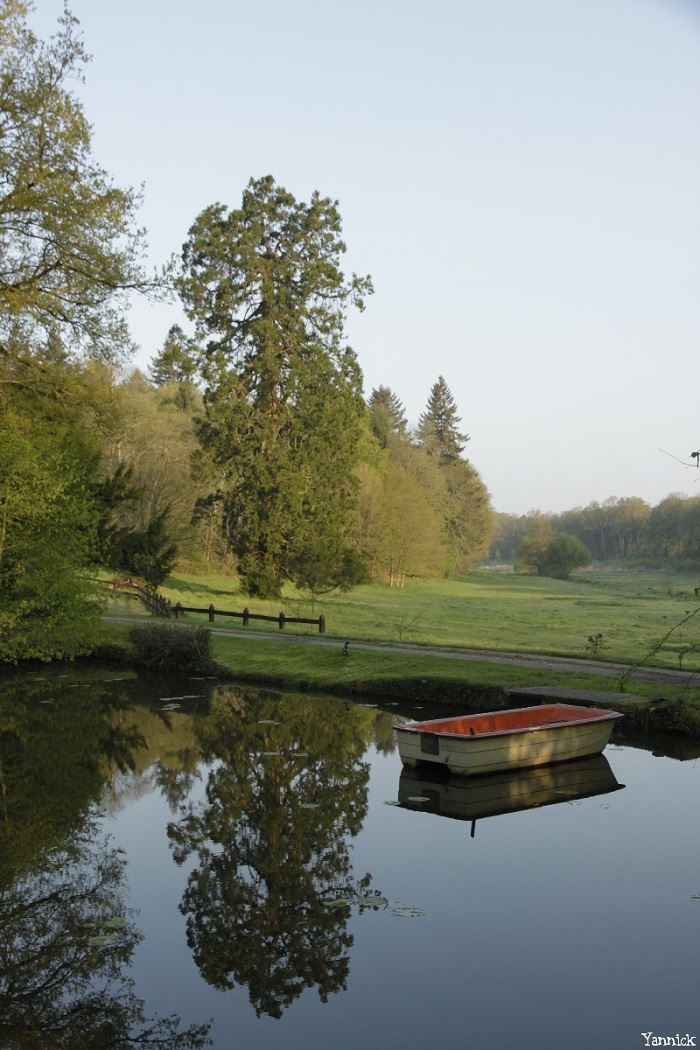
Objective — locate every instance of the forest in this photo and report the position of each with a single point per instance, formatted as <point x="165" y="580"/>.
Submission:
<point x="625" y="530"/>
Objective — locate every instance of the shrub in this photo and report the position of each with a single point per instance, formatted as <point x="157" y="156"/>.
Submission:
<point x="550" y="554"/>
<point x="165" y="647"/>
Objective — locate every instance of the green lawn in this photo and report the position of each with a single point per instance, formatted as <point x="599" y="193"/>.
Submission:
<point x="633" y="611"/>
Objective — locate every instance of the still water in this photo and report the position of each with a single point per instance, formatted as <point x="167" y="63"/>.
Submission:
<point x="192" y="860"/>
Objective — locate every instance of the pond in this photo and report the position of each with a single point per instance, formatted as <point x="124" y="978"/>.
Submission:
<point x="195" y="860"/>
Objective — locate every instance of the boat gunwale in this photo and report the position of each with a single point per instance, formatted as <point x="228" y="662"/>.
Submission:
<point x="587" y="716"/>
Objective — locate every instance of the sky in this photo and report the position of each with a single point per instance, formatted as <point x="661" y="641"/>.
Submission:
<point x="521" y="178"/>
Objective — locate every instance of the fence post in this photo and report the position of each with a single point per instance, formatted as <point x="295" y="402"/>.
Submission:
<point x="168" y="608"/>
<point x="322" y="624"/>
<point x="178" y="611"/>
<point x="281" y="621"/>
<point x="246" y="617"/>
<point x="211" y="613"/>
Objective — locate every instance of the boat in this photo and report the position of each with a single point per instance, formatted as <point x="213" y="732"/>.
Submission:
<point x="496" y="741"/>
<point x="432" y="789"/>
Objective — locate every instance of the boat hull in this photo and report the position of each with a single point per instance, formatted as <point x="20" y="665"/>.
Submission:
<point x="499" y="741"/>
<point x="430" y="789"/>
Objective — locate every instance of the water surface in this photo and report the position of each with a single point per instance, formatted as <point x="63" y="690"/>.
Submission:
<point x="177" y="855"/>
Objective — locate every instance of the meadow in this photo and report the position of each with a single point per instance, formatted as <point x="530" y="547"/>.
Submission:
<point x="632" y="612"/>
<point x="619" y="617"/>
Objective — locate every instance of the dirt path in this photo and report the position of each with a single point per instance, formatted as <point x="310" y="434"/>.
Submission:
<point x="660" y="675"/>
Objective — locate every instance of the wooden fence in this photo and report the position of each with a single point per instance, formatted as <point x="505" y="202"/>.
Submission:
<point x="153" y="601"/>
<point x="246" y="616"/>
<point x="159" y="605"/>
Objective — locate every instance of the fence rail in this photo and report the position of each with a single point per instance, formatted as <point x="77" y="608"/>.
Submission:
<point x="246" y="616"/>
<point x="153" y="601"/>
<point x="159" y="605"/>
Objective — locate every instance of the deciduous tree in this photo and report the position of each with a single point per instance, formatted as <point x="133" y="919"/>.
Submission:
<point x="70" y="252"/>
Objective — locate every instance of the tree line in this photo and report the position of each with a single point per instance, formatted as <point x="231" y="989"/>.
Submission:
<point x="627" y="530"/>
<point x="249" y="445"/>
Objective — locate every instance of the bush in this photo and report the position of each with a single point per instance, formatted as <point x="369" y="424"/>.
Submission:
<point x="165" y="647"/>
<point x="550" y="554"/>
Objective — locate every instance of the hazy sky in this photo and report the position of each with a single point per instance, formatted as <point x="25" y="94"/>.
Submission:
<point x="521" y="178"/>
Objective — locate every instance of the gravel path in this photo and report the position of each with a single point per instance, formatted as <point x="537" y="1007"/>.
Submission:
<point x="541" y="662"/>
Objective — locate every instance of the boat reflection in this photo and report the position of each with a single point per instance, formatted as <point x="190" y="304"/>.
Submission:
<point x="432" y="790"/>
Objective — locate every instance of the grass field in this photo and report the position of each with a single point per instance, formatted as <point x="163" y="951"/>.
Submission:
<point x="631" y="611"/>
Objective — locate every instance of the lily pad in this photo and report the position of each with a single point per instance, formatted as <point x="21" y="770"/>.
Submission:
<point x="410" y="913"/>
<point x="309" y="805"/>
<point x="375" y="900"/>
<point x="338" y="902"/>
<point x="103" y="940"/>
<point x="118" y="922"/>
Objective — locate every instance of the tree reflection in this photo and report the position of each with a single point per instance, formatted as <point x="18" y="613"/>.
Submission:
<point x="286" y="788"/>
<point x="55" y="744"/>
<point x="66" y="939"/>
<point x="65" y="936"/>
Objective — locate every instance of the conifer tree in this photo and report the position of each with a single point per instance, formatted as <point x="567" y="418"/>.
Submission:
<point x="466" y="510"/>
<point x="387" y="415"/>
<point x="437" y="427"/>
<point x="283" y="401"/>
<point x="176" y="361"/>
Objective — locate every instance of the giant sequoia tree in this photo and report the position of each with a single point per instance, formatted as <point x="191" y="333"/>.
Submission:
<point x="284" y="410"/>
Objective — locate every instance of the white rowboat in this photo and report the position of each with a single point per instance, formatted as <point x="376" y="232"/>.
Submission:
<point x="470" y="745"/>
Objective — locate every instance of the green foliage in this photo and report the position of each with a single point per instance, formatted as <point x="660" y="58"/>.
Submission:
<point x="69" y="250"/>
<point x="174" y="370"/>
<point x="551" y="554"/>
<point x="176" y="362"/>
<point x="257" y="897"/>
<point x="596" y="643"/>
<point x="468" y="521"/>
<point x="564" y="554"/>
<point x="464" y="502"/>
<point x="320" y="569"/>
<point x="147" y="554"/>
<point x="403" y="531"/>
<point x="387" y="416"/>
<point x="284" y="412"/>
<point x="624" y="530"/>
<point x="437" y="426"/>
<point x="48" y="533"/>
<point x="167" y="647"/>
<point x="69" y="256"/>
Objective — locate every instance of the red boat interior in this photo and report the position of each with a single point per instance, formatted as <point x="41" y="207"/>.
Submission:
<point x="518" y="720"/>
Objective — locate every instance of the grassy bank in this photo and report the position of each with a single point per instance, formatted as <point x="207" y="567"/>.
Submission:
<point x="631" y="612"/>
<point x="411" y="675"/>
<point x="632" y="617"/>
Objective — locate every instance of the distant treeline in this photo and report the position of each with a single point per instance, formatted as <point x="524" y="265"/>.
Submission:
<point x="627" y="529"/>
